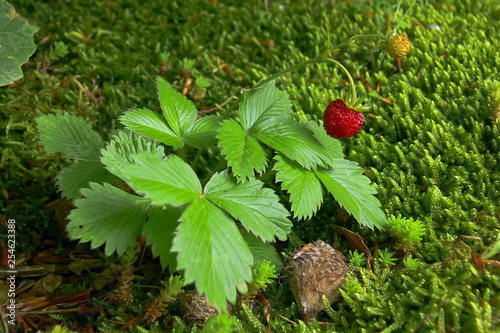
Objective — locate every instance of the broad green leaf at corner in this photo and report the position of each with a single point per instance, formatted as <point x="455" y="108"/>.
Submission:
<point x="212" y="252"/>
<point x="168" y="181"/>
<point x="107" y="215"/>
<point x="257" y="208"/>
<point x="353" y="191"/>
<point x="178" y="110"/>
<point x="16" y="43"/>
<point x="243" y="153"/>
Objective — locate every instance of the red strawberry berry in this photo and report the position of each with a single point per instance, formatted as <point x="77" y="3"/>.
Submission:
<point x="340" y="121"/>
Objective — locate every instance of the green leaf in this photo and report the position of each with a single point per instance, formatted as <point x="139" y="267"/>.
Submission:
<point x="69" y="135"/>
<point x="212" y="252"/>
<point x="151" y="125"/>
<point x="257" y="208"/>
<point x="202" y="132"/>
<point x="243" y="153"/>
<point x="168" y="181"/>
<point x="262" y="104"/>
<point x="71" y="179"/>
<point x="262" y="251"/>
<point x="306" y="192"/>
<point x="107" y="214"/>
<point x="494" y="249"/>
<point x="332" y="145"/>
<point x="293" y="140"/>
<point x="353" y="191"/>
<point x="159" y="230"/>
<point x="179" y="111"/>
<point x="120" y="150"/>
<point x="16" y="43"/>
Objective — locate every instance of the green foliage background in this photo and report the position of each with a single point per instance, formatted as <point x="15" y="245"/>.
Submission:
<point x="432" y="154"/>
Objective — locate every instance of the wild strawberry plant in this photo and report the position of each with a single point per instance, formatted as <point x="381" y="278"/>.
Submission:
<point x="211" y="222"/>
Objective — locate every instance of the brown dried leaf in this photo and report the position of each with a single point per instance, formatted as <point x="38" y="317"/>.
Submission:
<point x="48" y="283"/>
<point x="387" y="100"/>
<point x="3" y="293"/>
<point x="355" y="242"/>
<point x="33" y="301"/>
<point x="75" y="297"/>
<point x="495" y="264"/>
<point x="226" y="69"/>
<point x="477" y="262"/>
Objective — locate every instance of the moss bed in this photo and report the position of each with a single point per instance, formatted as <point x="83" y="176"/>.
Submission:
<point x="429" y="144"/>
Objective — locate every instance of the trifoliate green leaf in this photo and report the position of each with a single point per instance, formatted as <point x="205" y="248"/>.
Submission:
<point x="179" y="111"/>
<point x="212" y="252"/>
<point x="159" y="230"/>
<point x="293" y="140"/>
<point x="262" y="251"/>
<point x="243" y="153"/>
<point x="120" y="150"/>
<point x="168" y="181"/>
<point x="107" y="214"/>
<point x="257" y="208"/>
<point x="151" y="125"/>
<point x="69" y="135"/>
<point x="332" y="145"/>
<point x="71" y="179"/>
<point x="262" y="104"/>
<point x="353" y="191"/>
<point x="16" y="43"/>
<point x="202" y="132"/>
<point x="306" y="192"/>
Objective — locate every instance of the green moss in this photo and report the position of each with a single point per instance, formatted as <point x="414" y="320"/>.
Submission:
<point x="432" y="153"/>
<point x="422" y="300"/>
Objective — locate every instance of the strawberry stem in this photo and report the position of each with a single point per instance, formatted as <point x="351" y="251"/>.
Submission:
<point x="352" y="97"/>
<point x="325" y="56"/>
<point x="294" y="67"/>
<point x="353" y="38"/>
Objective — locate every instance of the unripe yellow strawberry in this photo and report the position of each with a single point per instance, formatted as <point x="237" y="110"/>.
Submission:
<point x="398" y="46"/>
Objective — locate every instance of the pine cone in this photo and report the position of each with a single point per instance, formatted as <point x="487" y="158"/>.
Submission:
<point x="316" y="269"/>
